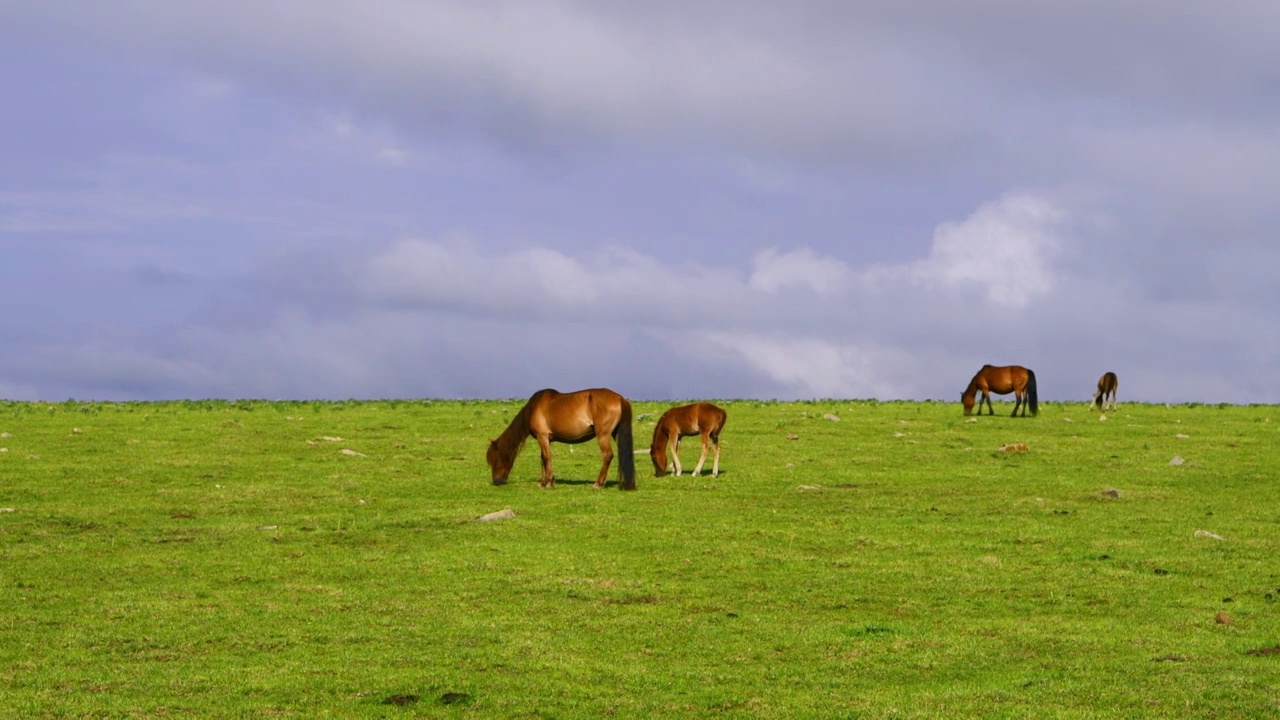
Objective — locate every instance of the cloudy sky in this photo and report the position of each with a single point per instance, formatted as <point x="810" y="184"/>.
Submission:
<point x="695" y="199"/>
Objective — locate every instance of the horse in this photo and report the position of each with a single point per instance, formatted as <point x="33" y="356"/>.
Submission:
<point x="1107" y="386"/>
<point x="702" y="419"/>
<point x="575" y="417"/>
<point x="1002" y="380"/>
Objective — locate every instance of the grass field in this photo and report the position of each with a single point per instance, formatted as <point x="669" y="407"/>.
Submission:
<point x="323" y="559"/>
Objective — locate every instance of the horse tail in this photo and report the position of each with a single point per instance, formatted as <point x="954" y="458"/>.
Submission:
<point x="626" y="454"/>
<point x="1031" y="392"/>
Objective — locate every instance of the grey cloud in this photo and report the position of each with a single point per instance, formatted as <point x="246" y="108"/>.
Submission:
<point x="439" y="320"/>
<point x="809" y="197"/>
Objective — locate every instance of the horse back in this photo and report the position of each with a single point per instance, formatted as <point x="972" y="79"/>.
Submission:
<point x="1001" y="379"/>
<point x="576" y="416"/>
<point x="712" y="416"/>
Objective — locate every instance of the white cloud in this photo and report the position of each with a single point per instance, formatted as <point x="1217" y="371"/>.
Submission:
<point x="821" y="368"/>
<point x="457" y="274"/>
<point x="774" y="271"/>
<point x="393" y="156"/>
<point x="1004" y="250"/>
<point x="28" y="222"/>
<point x="214" y="88"/>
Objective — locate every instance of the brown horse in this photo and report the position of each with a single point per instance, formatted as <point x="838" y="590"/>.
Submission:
<point x="702" y="419"/>
<point x="575" y="417"/>
<point x="1002" y="381"/>
<point x="1107" y="386"/>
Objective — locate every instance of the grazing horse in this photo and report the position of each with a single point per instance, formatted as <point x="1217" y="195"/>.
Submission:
<point x="1002" y="381"/>
<point x="702" y="419"/>
<point x="1107" y="386"/>
<point x="575" y="417"/>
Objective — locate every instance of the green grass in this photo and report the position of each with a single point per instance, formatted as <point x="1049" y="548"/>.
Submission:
<point x="225" y="559"/>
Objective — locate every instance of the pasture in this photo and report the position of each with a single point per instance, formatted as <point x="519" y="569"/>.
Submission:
<point x="323" y="559"/>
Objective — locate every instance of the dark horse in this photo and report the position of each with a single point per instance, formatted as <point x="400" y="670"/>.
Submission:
<point x="1107" y="386"/>
<point x="575" y="417"/>
<point x="702" y="419"/>
<point x="1002" y="381"/>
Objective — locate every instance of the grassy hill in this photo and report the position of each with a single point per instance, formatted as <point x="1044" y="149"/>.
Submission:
<point x="854" y="558"/>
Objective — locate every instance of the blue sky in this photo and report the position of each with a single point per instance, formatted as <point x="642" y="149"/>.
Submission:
<point x="333" y="199"/>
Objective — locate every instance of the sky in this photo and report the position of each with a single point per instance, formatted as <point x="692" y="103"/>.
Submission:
<point x="331" y="199"/>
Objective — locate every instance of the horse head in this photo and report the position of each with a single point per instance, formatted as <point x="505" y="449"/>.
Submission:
<point x="659" y="459"/>
<point x="499" y="467"/>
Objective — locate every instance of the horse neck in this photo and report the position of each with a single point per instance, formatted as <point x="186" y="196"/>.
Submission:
<point x="512" y="439"/>
<point x="660" y="436"/>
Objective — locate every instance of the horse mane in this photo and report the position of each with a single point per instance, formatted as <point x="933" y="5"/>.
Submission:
<point x="508" y="444"/>
<point x="660" y="433"/>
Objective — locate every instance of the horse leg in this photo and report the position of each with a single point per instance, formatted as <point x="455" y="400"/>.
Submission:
<point x="606" y="457"/>
<point x="548" y="479"/>
<point x="675" y="452"/>
<point x="1017" y="403"/>
<point x="697" y="469"/>
<point x="715" y="463"/>
<point x="986" y="398"/>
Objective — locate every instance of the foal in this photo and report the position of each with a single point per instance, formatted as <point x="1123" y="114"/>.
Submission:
<point x="1107" y="386"/>
<point x="702" y="419"/>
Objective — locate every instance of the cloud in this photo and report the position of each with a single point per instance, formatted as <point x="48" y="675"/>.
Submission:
<point x="543" y="71"/>
<point x="458" y="275"/>
<point x="451" y="308"/>
<point x="1006" y="247"/>
<point x="455" y="319"/>
<point x="798" y="268"/>
<point x="1004" y="250"/>
<point x="29" y="222"/>
<point x="393" y="156"/>
<point x="822" y="368"/>
<point x="872" y="198"/>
